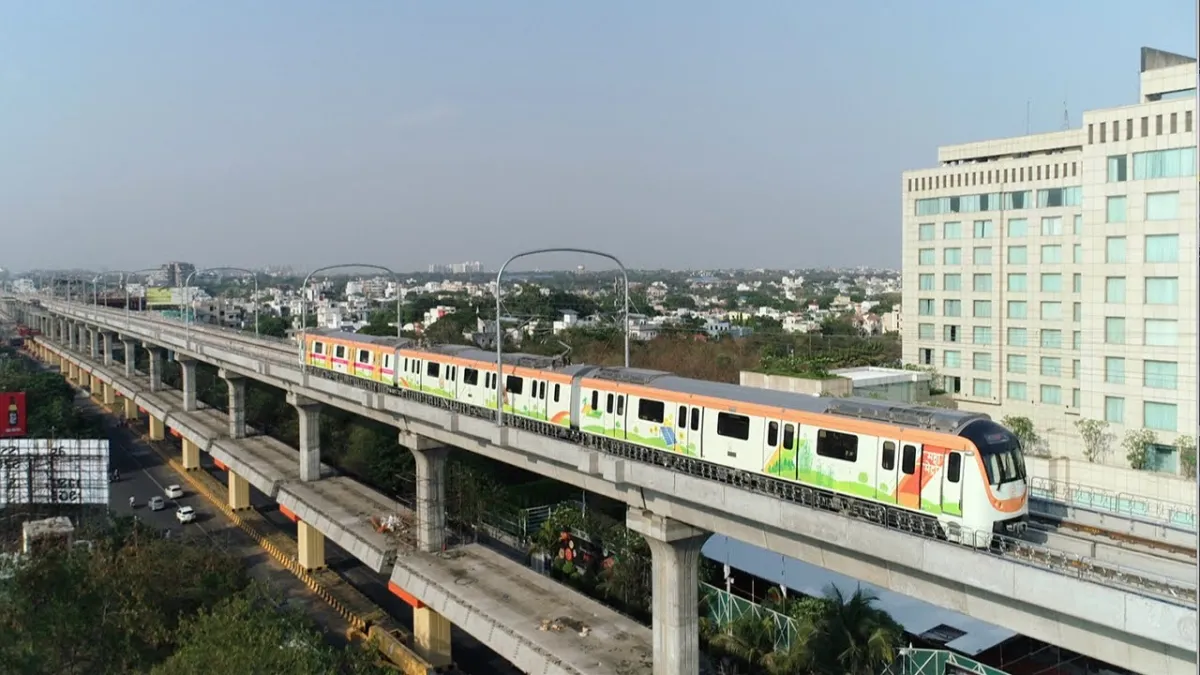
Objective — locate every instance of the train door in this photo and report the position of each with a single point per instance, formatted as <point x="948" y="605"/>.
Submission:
<point x="695" y="437"/>
<point x="908" y="492"/>
<point x="933" y="475"/>
<point x="888" y="471"/>
<point x="952" y="501"/>
<point x="614" y="414"/>
<point x="773" y="446"/>
<point x="341" y="358"/>
<point x="387" y="368"/>
<point x="681" y="429"/>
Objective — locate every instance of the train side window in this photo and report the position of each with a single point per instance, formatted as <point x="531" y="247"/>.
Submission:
<point x="406" y="364"/>
<point x="595" y="400"/>
<point x="772" y="434"/>
<point x="908" y="462"/>
<point x="683" y="416"/>
<point x="514" y="384"/>
<point x="650" y="410"/>
<point x="836" y="445"/>
<point x="620" y="405"/>
<point x="888" y="462"/>
<point x="954" y="469"/>
<point x="733" y="426"/>
<point x="364" y="356"/>
<point x="789" y="436"/>
<point x="451" y="371"/>
<point x="608" y="405"/>
<point x="542" y="391"/>
<point x="432" y="369"/>
<point x="471" y="376"/>
<point x="339" y="352"/>
<point x="318" y="347"/>
<point x="695" y="419"/>
<point x="557" y="389"/>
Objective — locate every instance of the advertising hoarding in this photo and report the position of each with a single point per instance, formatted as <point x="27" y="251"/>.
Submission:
<point x="163" y="296"/>
<point x="53" y="471"/>
<point x="12" y="409"/>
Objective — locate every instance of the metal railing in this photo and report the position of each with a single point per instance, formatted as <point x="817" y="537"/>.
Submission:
<point x="1124" y="504"/>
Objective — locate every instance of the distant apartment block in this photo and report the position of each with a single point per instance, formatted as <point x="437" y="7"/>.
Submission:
<point x="456" y="268"/>
<point x="174" y="273"/>
<point x="1053" y="276"/>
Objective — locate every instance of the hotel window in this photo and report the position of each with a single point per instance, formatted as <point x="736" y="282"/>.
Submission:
<point x="1052" y="226"/>
<point x="982" y="309"/>
<point x="1075" y="399"/>
<point x="1077" y="254"/>
<point x="1160" y="374"/>
<point x="1160" y="416"/>
<point x="952" y="256"/>
<point x="1018" y="337"/>
<point x="951" y="359"/>
<point x="1017" y="283"/>
<point x="925" y="307"/>
<point x="1077" y="224"/>
<point x="924" y="331"/>
<point x="981" y="283"/>
<point x="1162" y="206"/>
<point x="982" y="255"/>
<point x="1175" y="163"/>
<point x="952" y="308"/>
<point x="1077" y="283"/>
<point x="1017" y="309"/>
<point x="981" y="388"/>
<point x="952" y="282"/>
<point x="1075" y="369"/>
<point x="951" y="333"/>
<point x="1051" y="311"/>
<point x="1114" y="330"/>
<point x="1017" y="255"/>
<point x="1162" y="248"/>
<point x="981" y="335"/>
<point x="1162" y="333"/>
<point x="1145" y="127"/>
<point x="1051" y="339"/>
<point x="1076" y="312"/>
<point x="1051" y="283"/>
<point x="1018" y="227"/>
<point x="984" y="229"/>
<point x="1076" y="340"/>
<point x="1050" y="366"/>
<point x="1017" y="363"/>
<point x="1114" y="290"/>
<point x="1114" y="250"/>
<point x="1162" y="291"/>
<point x="1114" y="407"/>
<point x="1052" y="394"/>
<point x="925" y="282"/>
<point x="1114" y="370"/>
<point x="1118" y="169"/>
<point x="1051" y="253"/>
<point x="952" y="230"/>
<point x="981" y="361"/>
<point x="926" y="232"/>
<point x="926" y="256"/>
<point x="1115" y="209"/>
<point x="1017" y="391"/>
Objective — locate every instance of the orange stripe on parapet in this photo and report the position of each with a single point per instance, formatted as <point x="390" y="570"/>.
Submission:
<point x="288" y="513"/>
<point x="408" y="598"/>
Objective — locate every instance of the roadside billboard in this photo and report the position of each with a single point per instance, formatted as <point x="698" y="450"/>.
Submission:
<point x="53" y="471"/>
<point x="163" y="296"/>
<point x="12" y="407"/>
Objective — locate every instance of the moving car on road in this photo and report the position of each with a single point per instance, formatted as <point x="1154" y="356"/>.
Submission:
<point x="156" y="504"/>
<point x="185" y="514"/>
<point x="174" y="492"/>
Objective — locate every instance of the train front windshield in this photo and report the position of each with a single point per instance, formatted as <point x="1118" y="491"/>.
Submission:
<point x="1001" y="451"/>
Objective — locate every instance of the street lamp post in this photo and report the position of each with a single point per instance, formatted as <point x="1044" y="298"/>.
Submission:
<point x="187" y="287"/>
<point x="125" y="276"/>
<point x="499" y="331"/>
<point x="95" y="285"/>
<point x="304" y="303"/>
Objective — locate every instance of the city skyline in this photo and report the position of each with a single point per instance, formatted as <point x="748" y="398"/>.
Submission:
<point x="268" y="146"/>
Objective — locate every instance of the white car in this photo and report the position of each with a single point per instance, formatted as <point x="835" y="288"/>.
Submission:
<point x="174" y="492"/>
<point x="186" y="514"/>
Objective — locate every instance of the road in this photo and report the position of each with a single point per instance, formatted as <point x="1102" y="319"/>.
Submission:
<point x="145" y="475"/>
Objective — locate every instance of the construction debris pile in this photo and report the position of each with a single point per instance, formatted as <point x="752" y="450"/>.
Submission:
<point x="565" y="623"/>
<point x="400" y="527"/>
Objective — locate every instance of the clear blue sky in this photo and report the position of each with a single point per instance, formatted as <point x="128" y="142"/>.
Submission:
<point x="670" y="133"/>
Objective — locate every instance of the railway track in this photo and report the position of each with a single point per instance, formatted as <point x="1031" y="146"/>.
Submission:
<point x="1115" y="536"/>
<point x="1065" y="562"/>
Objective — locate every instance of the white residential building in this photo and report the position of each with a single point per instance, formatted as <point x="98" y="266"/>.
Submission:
<point x="1053" y="276"/>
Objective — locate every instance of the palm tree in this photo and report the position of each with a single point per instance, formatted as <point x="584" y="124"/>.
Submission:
<point x="748" y="638"/>
<point x="857" y="638"/>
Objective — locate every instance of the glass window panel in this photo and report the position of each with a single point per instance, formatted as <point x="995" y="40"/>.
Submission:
<point x="1018" y="227"/>
<point x="1162" y="291"/>
<point x="981" y="388"/>
<point x="925" y="331"/>
<point x="981" y="335"/>
<point x="984" y="229"/>
<point x="952" y="308"/>
<point x="925" y="282"/>
<point x="1018" y="337"/>
<point x="1160" y="374"/>
<point x="1017" y="391"/>
<point x="952" y="230"/>
<point x="1077" y="283"/>
<point x="1051" y="339"/>
<point x="1017" y="363"/>
<point x="1114" y="370"/>
<point x="951" y="358"/>
<point x="1118" y="169"/>
<point x="1018" y="283"/>
<point x="1052" y="225"/>
<point x="1017" y="255"/>
<point x="981" y="361"/>
<point x="925" y="307"/>
<point x="982" y="283"/>
<point x="1114" y="409"/>
<point x="1017" y="309"/>
<point x="952" y="282"/>
<point x="1162" y="333"/>
<point x="926" y="256"/>
<point x="1162" y="248"/>
<point x="1051" y="394"/>
<point x="1115" y="212"/>
<point x="952" y="256"/>
<point x="1114" y="330"/>
<point x="1077" y="224"/>
<point x="1052" y="253"/>
<point x="1160" y="416"/>
<point x="1114" y="249"/>
<point x="1051" y="283"/>
<point x="982" y="255"/>
<point x="1172" y="163"/>
<point x="1162" y="206"/>
<point x="1114" y="290"/>
<point x="1051" y="311"/>
<point x="1051" y="366"/>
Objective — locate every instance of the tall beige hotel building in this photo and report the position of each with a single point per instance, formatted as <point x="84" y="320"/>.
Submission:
<point x="1053" y="276"/>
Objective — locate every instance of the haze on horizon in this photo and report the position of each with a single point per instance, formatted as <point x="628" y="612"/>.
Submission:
<point x="672" y="134"/>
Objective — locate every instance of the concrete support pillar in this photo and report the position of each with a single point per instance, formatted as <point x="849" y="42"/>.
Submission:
<point x="431" y="636"/>
<point x="85" y="378"/>
<point x="94" y="343"/>
<point x="131" y="411"/>
<point x="431" y="490"/>
<point x="158" y="430"/>
<point x="106" y="393"/>
<point x="239" y="492"/>
<point x="130" y="356"/>
<point x="675" y="552"/>
<point x="191" y="455"/>
<point x="187" y="369"/>
<point x="62" y="331"/>
<point x="310" y="436"/>
<point x="156" y="367"/>
<point x="237" y="403"/>
<point x="72" y="372"/>
<point x="107" y="347"/>
<point x="310" y="546"/>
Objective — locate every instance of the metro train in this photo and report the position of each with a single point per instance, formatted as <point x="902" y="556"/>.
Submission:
<point x="940" y="472"/>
